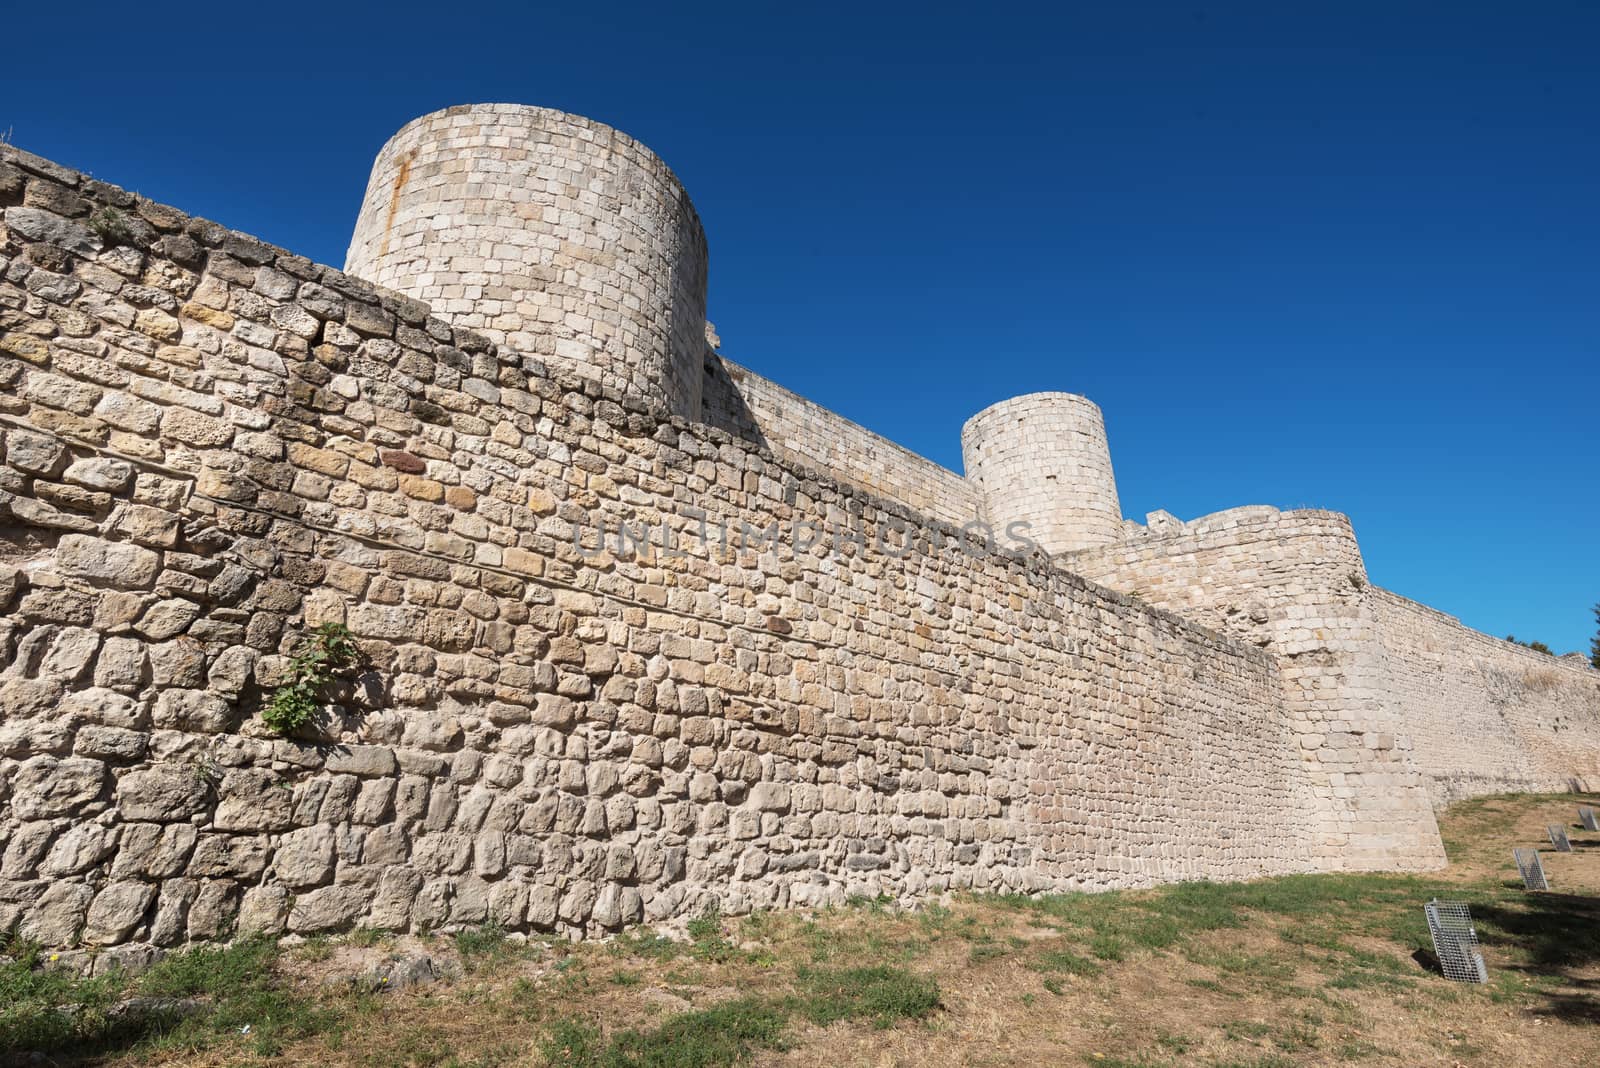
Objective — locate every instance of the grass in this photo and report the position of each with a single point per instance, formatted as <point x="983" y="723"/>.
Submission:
<point x="44" y="1009"/>
<point x="1325" y="969"/>
<point x="1065" y="962"/>
<point x="709" y="1038"/>
<point x="880" y="994"/>
<point x="481" y="946"/>
<point x="728" y="1033"/>
<point x="236" y="987"/>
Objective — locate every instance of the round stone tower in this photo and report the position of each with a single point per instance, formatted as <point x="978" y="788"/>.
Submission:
<point x="553" y="235"/>
<point x="1042" y="459"/>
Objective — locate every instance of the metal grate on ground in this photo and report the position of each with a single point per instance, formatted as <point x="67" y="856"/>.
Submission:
<point x="1558" y="838"/>
<point x="1587" y="817"/>
<point x="1455" y="942"/>
<point x="1532" y="869"/>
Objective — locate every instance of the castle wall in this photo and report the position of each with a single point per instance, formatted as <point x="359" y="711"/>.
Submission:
<point x="555" y="235"/>
<point x="1487" y="716"/>
<point x="1042" y="459"/>
<point x="210" y="445"/>
<point x="757" y="409"/>
<point x="1294" y="584"/>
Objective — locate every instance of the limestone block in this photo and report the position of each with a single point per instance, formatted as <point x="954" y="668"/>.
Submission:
<point x="162" y="793"/>
<point x="391" y="903"/>
<point x="146" y="525"/>
<point x="232" y="670"/>
<point x="46" y="786"/>
<point x="112" y="563"/>
<point x="31" y="737"/>
<point x="195" y="428"/>
<point x="116" y="911"/>
<point x="128" y="413"/>
<point x="328" y="909"/>
<point x="29" y="698"/>
<point x="234" y="856"/>
<point x="154" y="851"/>
<point x="305" y="858"/>
<point x="192" y="710"/>
<point x="169" y="925"/>
<point x="100" y="473"/>
<point x="79" y="848"/>
<point x="34" y="224"/>
<point x="57" y="916"/>
<point x="115" y="610"/>
<point x="167" y="619"/>
<point x="213" y="910"/>
<point x="178" y="663"/>
<point x="770" y="796"/>
<point x="364" y="760"/>
<point x="263" y="910"/>
<point x="70" y="654"/>
<point x="253" y="800"/>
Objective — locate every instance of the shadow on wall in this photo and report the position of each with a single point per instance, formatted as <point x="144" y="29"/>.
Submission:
<point x="20" y="545"/>
<point x="688" y="333"/>
<point x="722" y="403"/>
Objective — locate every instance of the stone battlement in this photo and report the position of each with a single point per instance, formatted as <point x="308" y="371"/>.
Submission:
<point x="211" y="445"/>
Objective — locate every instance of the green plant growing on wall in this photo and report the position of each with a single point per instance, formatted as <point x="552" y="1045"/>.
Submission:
<point x="328" y="649"/>
<point x="1536" y="646"/>
<point x="109" y="225"/>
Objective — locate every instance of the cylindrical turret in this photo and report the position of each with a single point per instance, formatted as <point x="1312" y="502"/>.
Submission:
<point x="553" y="235"/>
<point x="1042" y="459"/>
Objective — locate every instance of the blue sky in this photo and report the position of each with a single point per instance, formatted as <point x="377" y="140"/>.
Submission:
<point x="1335" y="255"/>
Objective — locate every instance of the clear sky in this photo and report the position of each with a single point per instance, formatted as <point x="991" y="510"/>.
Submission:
<point x="1343" y="255"/>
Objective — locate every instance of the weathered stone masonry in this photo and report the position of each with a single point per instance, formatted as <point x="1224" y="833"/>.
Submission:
<point x="211" y="445"/>
<point x="1395" y="705"/>
<point x="1486" y="716"/>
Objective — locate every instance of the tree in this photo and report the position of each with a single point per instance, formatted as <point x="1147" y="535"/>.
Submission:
<point x="1536" y="646"/>
<point x="1594" y="643"/>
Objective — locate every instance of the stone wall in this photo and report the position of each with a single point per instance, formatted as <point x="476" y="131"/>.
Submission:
<point x="1464" y="713"/>
<point x="759" y="410"/>
<point x="211" y="445"/>
<point x="1294" y="584"/>
<point x="1487" y="716"/>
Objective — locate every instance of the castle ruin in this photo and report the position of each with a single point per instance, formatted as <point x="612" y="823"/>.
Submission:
<point x="991" y="682"/>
